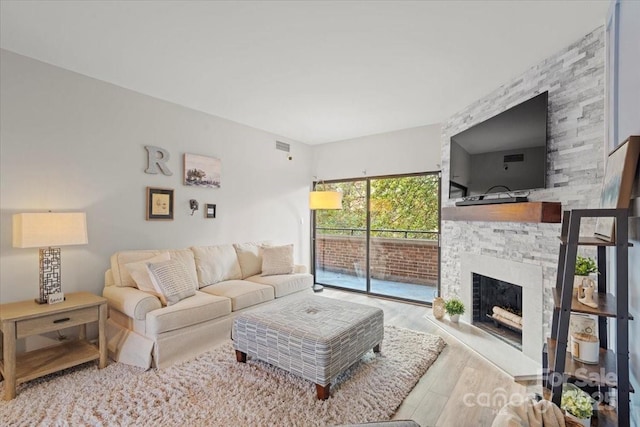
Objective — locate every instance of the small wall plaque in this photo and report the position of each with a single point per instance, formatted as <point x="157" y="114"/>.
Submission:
<point x="55" y="298"/>
<point x="210" y="211"/>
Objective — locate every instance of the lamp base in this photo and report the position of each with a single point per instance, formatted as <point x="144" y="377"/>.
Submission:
<point x="317" y="288"/>
<point x="50" y="272"/>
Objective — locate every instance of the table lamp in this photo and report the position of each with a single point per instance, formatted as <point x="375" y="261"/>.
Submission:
<point x="48" y="231"/>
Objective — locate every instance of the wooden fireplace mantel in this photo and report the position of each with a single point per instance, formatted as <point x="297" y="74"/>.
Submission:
<point x="550" y="212"/>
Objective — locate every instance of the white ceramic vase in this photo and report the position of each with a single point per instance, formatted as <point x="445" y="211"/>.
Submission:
<point x="455" y="318"/>
<point x="585" y="348"/>
<point x="586" y="422"/>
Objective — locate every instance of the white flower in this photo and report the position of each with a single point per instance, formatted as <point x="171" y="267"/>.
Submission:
<point x="577" y="403"/>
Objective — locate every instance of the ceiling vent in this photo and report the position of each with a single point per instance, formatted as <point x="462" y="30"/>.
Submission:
<point x="283" y="146"/>
<point x="514" y="158"/>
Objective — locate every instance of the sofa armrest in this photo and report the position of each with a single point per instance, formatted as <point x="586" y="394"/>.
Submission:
<point x="131" y="301"/>
<point x="299" y="269"/>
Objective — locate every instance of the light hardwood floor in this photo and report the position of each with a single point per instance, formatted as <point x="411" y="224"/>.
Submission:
<point x="460" y="389"/>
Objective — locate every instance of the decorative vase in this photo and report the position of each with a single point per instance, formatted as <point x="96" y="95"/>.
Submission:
<point x="438" y="308"/>
<point x="455" y="318"/>
<point x="576" y="400"/>
<point x="586" y="422"/>
<point x="577" y="284"/>
<point x="585" y="348"/>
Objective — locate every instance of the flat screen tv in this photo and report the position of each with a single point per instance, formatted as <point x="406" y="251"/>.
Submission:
<point x="504" y="154"/>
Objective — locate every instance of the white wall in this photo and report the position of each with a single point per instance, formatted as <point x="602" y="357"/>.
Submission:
<point x="72" y="143"/>
<point x="404" y="151"/>
<point x="628" y="123"/>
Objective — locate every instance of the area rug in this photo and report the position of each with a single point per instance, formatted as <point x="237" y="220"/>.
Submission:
<point x="215" y="390"/>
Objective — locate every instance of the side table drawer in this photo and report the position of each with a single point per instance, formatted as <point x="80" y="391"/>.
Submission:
<point x="55" y="322"/>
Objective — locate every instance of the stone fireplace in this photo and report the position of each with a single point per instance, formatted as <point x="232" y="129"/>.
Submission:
<point x="528" y="252"/>
<point x="528" y="277"/>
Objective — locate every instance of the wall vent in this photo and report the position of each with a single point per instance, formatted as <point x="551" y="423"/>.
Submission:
<point x="514" y="158"/>
<point x="283" y="146"/>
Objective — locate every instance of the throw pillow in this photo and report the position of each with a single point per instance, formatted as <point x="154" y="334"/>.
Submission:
<point x="140" y="273"/>
<point x="277" y="260"/>
<point x="171" y="280"/>
<point x="249" y="257"/>
<point x="216" y="264"/>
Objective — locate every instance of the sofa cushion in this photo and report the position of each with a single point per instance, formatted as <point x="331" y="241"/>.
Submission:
<point x="140" y="273"/>
<point x="121" y="276"/>
<point x="171" y="281"/>
<point x="242" y="293"/>
<point x="215" y="264"/>
<point x="199" y="308"/>
<point x="285" y="284"/>
<point x="277" y="260"/>
<point x="249" y="258"/>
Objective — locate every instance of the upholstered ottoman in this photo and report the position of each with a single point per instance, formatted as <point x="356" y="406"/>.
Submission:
<point x="315" y="337"/>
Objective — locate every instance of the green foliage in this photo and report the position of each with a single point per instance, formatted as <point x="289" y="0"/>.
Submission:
<point x="577" y="402"/>
<point x="584" y="266"/>
<point x="405" y="203"/>
<point x="454" y="306"/>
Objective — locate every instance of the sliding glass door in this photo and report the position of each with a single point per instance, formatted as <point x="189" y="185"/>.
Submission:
<point x="341" y="239"/>
<point x="385" y="240"/>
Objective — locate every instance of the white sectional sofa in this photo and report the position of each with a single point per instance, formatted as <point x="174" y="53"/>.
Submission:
<point x="143" y="332"/>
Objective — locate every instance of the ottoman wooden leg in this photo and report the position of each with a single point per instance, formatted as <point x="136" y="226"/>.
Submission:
<point x="241" y="357"/>
<point x="323" y="391"/>
<point x="376" y="348"/>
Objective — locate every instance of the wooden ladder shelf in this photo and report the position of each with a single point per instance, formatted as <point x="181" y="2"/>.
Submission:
<point x="613" y="364"/>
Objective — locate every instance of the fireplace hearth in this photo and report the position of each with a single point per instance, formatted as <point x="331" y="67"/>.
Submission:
<point x="497" y="309"/>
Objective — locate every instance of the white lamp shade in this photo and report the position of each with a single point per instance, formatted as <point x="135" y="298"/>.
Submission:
<point x="39" y="230"/>
<point x="325" y="200"/>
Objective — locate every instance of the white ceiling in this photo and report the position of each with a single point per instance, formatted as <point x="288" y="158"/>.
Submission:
<point x="312" y="71"/>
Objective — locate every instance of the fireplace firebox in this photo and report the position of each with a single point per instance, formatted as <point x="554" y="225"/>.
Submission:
<point x="497" y="309"/>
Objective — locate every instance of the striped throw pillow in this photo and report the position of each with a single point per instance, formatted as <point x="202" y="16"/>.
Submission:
<point x="171" y="280"/>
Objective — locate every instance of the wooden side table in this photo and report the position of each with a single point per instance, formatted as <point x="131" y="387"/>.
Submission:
<point x="26" y="318"/>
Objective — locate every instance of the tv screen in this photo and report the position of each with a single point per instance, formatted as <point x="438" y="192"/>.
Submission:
<point x="506" y="153"/>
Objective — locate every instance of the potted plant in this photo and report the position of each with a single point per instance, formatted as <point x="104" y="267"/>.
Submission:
<point x="584" y="267"/>
<point x="454" y="308"/>
<point x="577" y="404"/>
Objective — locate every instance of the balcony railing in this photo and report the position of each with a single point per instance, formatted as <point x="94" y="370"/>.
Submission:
<point x="379" y="232"/>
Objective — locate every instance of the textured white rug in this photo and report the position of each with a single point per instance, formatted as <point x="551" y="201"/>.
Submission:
<point x="214" y="389"/>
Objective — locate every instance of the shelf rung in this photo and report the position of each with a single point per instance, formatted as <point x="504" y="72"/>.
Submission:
<point x="587" y="372"/>
<point x="606" y="304"/>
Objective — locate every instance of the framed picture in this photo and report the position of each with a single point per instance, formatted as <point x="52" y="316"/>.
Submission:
<point x="617" y="184"/>
<point x="159" y="204"/>
<point x="202" y="171"/>
<point x="210" y="211"/>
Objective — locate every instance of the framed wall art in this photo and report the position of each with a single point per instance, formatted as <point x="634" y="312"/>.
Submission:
<point x="159" y="204"/>
<point x="618" y="182"/>
<point x="202" y="171"/>
<point x="210" y="210"/>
